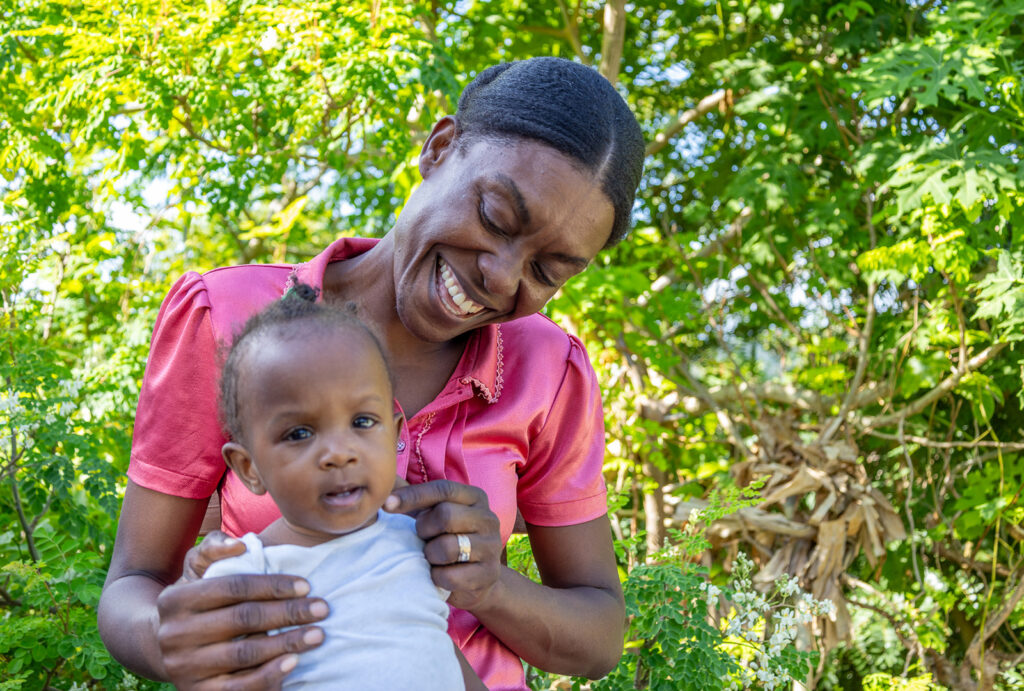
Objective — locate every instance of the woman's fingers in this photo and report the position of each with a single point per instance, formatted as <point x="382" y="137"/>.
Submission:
<point x="469" y="584"/>
<point x="413" y="498"/>
<point x="445" y="510"/>
<point x="214" y="547"/>
<point x="243" y="660"/>
<point x="445" y="549"/>
<point x="214" y="629"/>
<point x="216" y="593"/>
<point x="220" y="613"/>
<point x="267" y="677"/>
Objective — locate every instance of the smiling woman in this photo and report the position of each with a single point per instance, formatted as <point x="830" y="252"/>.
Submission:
<point x="504" y="226"/>
<point x="531" y="178"/>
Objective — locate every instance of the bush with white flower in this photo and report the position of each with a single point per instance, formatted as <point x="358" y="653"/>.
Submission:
<point x="688" y="633"/>
<point x="761" y="630"/>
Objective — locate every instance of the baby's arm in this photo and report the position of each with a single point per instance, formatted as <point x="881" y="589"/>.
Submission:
<point x="470" y="678"/>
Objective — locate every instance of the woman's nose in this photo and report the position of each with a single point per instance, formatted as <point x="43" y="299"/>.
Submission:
<point x="502" y="270"/>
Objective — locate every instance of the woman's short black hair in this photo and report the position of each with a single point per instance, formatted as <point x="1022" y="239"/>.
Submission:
<point x="569" y="107"/>
<point x="296" y="315"/>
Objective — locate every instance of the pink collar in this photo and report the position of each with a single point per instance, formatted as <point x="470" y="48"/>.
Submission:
<point x="481" y="363"/>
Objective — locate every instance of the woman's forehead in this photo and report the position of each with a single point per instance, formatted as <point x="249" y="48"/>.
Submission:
<point x="533" y="176"/>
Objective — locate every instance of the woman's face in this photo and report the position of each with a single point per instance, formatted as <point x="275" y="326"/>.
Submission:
<point x="494" y="230"/>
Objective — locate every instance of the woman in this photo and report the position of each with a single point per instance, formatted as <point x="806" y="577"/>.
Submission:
<point x="533" y="176"/>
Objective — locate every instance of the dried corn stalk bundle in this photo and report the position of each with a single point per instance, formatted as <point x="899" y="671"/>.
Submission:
<point x="819" y="511"/>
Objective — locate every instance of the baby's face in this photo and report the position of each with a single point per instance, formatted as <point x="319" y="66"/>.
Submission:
<point x="318" y="421"/>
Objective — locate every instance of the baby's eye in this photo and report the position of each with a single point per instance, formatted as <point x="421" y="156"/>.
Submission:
<point x="364" y="421"/>
<point x="298" y="434"/>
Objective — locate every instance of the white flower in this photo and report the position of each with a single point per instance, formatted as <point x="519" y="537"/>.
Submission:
<point x="788" y="586"/>
<point x="70" y="387"/>
<point x="10" y="404"/>
<point x="932" y="580"/>
<point x="269" y="40"/>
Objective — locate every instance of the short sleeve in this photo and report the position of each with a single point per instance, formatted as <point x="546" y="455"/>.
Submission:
<point x="561" y="482"/>
<point x="177" y="439"/>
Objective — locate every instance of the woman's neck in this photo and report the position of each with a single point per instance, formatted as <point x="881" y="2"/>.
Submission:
<point x="365" y="284"/>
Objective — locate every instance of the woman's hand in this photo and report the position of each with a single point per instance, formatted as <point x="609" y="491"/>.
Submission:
<point x="186" y="632"/>
<point x="212" y="633"/>
<point x="444" y="510"/>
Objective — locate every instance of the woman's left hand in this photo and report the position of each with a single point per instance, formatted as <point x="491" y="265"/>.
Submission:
<point x="444" y="510"/>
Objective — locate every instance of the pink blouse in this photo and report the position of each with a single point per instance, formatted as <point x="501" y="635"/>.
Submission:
<point x="520" y="418"/>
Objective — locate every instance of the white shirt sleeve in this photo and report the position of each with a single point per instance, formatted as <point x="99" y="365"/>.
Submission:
<point x="252" y="561"/>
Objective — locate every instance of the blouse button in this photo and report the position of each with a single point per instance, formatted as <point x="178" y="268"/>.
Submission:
<point x="401" y="445"/>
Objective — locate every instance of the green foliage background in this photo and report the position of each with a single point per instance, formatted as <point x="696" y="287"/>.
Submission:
<point x="828" y="245"/>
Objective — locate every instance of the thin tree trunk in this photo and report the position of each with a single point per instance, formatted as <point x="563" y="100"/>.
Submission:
<point x="654" y="509"/>
<point x="613" y="39"/>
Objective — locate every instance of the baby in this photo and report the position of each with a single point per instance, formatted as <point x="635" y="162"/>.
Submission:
<point x="306" y="399"/>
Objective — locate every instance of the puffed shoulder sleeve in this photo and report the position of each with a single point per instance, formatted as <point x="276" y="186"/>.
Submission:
<point x="561" y="483"/>
<point x="177" y="438"/>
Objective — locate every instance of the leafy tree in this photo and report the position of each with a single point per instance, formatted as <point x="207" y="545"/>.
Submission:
<point x="824" y="290"/>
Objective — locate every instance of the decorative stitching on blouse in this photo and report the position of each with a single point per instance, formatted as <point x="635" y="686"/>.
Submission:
<point x="293" y="279"/>
<point x="499" y="379"/>
<point x="419" y="439"/>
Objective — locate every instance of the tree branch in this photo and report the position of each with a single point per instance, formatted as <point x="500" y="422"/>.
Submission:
<point x="723" y="417"/>
<point x="720" y="99"/>
<point x="997" y="619"/>
<point x="944" y="387"/>
<point x="864" y="342"/>
<point x="929" y="443"/>
<point x="730" y="235"/>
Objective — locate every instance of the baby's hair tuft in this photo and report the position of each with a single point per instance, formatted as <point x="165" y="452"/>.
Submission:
<point x="295" y="315"/>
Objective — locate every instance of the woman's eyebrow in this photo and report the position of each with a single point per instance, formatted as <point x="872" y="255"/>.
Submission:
<point x="578" y="262"/>
<point x="517" y="197"/>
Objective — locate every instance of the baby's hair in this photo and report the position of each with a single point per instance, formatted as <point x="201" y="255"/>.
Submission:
<point x="569" y="107"/>
<point x="296" y="315"/>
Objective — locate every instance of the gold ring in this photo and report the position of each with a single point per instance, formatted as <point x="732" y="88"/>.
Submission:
<point x="465" y="548"/>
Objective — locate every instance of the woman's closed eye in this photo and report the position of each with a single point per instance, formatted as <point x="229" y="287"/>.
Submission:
<point x="487" y="222"/>
<point x="543" y="276"/>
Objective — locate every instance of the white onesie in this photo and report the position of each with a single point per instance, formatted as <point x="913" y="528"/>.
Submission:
<point x="388" y="625"/>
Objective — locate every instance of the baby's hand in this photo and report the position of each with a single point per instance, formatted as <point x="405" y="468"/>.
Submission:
<point x="214" y="547"/>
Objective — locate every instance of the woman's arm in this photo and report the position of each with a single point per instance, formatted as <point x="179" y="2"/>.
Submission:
<point x="184" y="633"/>
<point x="573" y="623"/>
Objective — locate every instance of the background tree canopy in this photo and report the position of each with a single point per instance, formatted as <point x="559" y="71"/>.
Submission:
<point x="823" y="293"/>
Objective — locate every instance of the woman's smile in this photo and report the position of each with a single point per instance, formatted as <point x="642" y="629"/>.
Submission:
<point x="453" y="295"/>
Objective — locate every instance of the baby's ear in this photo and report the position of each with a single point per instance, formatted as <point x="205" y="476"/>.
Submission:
<point x="399" y="424"/>
<point x="238" y="459"/>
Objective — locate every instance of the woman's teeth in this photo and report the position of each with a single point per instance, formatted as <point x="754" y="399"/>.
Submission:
<point x="465" y="304"/>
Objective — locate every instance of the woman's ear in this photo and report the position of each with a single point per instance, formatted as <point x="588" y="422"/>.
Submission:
<point x="238" y="459"/>
<point x="438" y="146"/>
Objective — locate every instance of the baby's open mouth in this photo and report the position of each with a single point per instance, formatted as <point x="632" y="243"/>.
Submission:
<point x="344" y="495"/>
